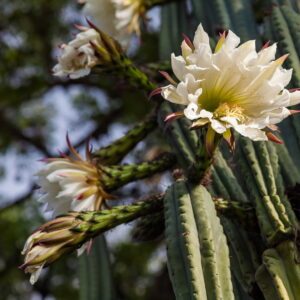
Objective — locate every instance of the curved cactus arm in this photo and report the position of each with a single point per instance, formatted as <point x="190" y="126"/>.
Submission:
<point x="283" y="268"/>
<point x="275" y="215"/>
<point x="217" y="187"/>
<point x="265" y="283"/>
<point x="197" y="249"/>
<point x="95" y="273"/>
<point x="274" y="161"/>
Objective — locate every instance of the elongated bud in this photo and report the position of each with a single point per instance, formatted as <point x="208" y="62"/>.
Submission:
<point x="69" y="232"/>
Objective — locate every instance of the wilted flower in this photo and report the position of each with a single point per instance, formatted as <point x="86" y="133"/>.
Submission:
<point x="230" y="87"/>
<point x="79" y="55"/>
<point x="71" y="183"/>
<point x="118" y="18"/>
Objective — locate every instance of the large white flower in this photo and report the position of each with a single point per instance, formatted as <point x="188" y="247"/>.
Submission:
<point x="78" y="56"/>
<point x="71" y="184"/>
<point x="117" y="18"/>
<point x="232" y="86"/>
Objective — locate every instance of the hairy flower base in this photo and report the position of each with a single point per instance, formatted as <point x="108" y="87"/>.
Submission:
<point x="230" y="87"/>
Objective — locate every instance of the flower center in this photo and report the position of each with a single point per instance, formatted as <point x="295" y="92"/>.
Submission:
<point x="230" y="109"/>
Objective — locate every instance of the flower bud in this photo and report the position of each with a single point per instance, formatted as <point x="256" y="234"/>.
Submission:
<point x="48" y="243"/>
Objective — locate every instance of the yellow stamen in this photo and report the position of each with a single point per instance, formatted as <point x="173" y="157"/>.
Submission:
<point x="231" y="110"/>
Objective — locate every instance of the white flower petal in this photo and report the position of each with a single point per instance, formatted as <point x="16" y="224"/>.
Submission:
<point x="266" y="55"/>
<point x="231" y="41"/>
<point x="36" y="274"/>
<point x="237" y="86"/>
<point x="201" y="37"/>
<point x="178" y="65"/>
<point x="170" y="93"/>
<point x="191" y="111"/>
<point x="294" y="98"/>
<point x="217" y="126"/>
<point x="254" y="134"/>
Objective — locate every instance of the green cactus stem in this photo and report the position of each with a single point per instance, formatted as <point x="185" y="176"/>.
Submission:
<point x="115" y="152"/>
<point x="68" y="232"/>
<point x="117" y="176"/>
<point x="276" y="218"/>
<point x="197" y="249"/>
<point x="134" y="76"/>
<point x="95" y="273"/>
<point x="244" y="254"/>
<point x="279" y="276"/>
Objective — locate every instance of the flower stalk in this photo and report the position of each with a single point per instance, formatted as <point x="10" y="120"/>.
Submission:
<point x="209" y="144"/>
<point x="69" y="232"/>
<point x="117" y="176"/>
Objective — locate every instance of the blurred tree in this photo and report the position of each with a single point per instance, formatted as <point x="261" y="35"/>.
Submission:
<point x="36" y="111"/>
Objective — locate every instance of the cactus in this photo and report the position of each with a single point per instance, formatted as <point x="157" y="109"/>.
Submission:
<point x="279" y="276"/>
<point x="227" y="221"/>
<point x="118" y="176"/>
<point x="95" y="273"/>
<point x="275" y="215"/>
<point x="183" y="140"/>
<point x="197" y="248"/>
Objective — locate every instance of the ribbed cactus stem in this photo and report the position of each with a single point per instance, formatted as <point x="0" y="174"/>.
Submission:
<point x="118" y="176"/>
<point x="115" y="152"/>
<point x="135" y="76"/>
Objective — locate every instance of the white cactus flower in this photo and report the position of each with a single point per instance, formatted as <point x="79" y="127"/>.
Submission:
<point x="117" y="18"/>
<point x="232" y="86"/>
<point x="78" y="56"/>
<point x="71" y="184"/>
